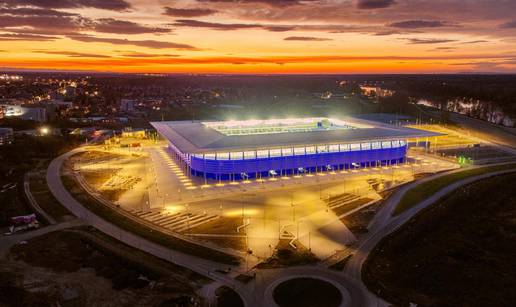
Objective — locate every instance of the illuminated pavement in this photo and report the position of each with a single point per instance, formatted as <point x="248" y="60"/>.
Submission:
<point x="283" y="207"/>
<point x="175" y="186"/>
<point x="294" y="204"/>
<point x="309" y="208"/>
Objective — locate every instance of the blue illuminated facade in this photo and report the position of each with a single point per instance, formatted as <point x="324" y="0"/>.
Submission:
<point x="289" y="161"/>
<point x="245" y="149"/>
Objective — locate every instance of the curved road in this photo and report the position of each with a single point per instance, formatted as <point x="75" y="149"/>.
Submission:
<point x="384" y="223"/>
<point x="202" y="266"/>
<point x="258" y="292"/>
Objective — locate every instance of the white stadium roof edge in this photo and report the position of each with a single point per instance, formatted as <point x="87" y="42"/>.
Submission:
<point x="197" y="137"/>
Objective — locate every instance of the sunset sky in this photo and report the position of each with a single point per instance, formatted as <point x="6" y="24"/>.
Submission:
<point x="259" y="36"/>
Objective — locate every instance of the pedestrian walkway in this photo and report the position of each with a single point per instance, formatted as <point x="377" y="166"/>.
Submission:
<point x="178" y="221"/>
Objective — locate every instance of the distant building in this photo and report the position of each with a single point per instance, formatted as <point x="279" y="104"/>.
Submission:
<point x="134" y="133"/>
<point x="375" y="91"/>
<point x="127" y="105"/>
<point x="98" y="119"/>
<point x="326" y="95"/>
<point x="61" y="103"/>
<point x="6" y="136"/>
<point x="83" y="131"/>
<point x="26" y="113"/>
<point x="5" y="77"/>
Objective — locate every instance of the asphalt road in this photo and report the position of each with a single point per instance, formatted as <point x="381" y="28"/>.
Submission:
<point x="202" y="266"/>
<point x="384" y="224"/>
<point x="258" y="292"/>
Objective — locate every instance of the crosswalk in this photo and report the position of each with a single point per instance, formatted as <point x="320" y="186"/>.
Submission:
<point x="178" y="221"/>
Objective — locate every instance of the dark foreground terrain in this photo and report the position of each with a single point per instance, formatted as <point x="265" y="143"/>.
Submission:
<point x="82" y="267"/>
<point x="459" y="252"/>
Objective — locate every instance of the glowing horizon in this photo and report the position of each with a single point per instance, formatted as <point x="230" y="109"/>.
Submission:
<point x="259" y="36"/>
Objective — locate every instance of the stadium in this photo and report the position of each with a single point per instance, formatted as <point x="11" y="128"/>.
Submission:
<point x="240" y="150"/>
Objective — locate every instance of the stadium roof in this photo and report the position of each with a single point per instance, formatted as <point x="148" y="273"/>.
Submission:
<point x="195" y="137"/>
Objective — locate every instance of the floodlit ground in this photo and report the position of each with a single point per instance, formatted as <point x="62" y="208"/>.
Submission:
<point x="120" y="177"/>
<point x="451" y="137"/>
<point x="306" y="209"/>
<point x="469" y="145"/>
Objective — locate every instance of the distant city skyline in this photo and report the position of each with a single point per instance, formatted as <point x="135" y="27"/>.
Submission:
<point x="259" y="36"/>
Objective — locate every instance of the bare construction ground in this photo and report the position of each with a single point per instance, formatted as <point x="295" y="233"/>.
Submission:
<point x="81" y="267"/>
<point x="458" y="252"/>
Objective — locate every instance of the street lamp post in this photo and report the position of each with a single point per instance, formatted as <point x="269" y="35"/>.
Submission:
<point x="293" y="207"/>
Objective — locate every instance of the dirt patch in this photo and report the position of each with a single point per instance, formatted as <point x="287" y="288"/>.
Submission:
<point x="45" y="199"/>
<point x="112" y="195"/>
<point x="114" y="216"/>
<point x="73" y="269"/>
<point x="227" y="297"/>
<point x="458" y="252"/>
<point x="96" y="156"/>
<point x="98" y="177"/>
<point x="285" y="255"/>
<point x="358" y="221"/>
<point x="350" y="206"/>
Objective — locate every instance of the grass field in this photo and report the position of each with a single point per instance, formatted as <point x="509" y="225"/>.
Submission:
<point x="458" y="252"/>
<point x="427" y="189"/>
<point x="109" y="214"/>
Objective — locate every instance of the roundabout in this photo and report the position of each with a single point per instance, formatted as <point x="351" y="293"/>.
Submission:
<point x="310" y="286"/>
<point x="307" y="291"/>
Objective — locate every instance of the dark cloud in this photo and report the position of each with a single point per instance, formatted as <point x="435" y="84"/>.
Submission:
<point x="149" y="55"/>
<point x="26" y="37"/>
<point x="193" y="12"/>
<point x="141" y="43"/>
<point x="475" y="42"/>
<point x="306" y="39"/>
<point x="423" y="41"/>
<point x="279" y="28"/>
<point x="443" y="49"/>
<point x="277" y="3"/>
<point x="49" y="24"/>
<point x="110" y="25"/>
<point x="115" y="5"/>
<point x="214" y="25"/>
<point x="386" y="33"/>
<point x="416" y="24"/>
<point x="374" y="4"/>
<point x="30" y="11"/>
<point x="508" y="25"/>
<point x="72" y="54"/>
<point x="51" y="31"/>
<point x="268" y="27"/>
<point x="52" y="22"/>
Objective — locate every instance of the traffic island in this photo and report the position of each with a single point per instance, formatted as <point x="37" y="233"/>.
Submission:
<point x="307" y="292"/>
